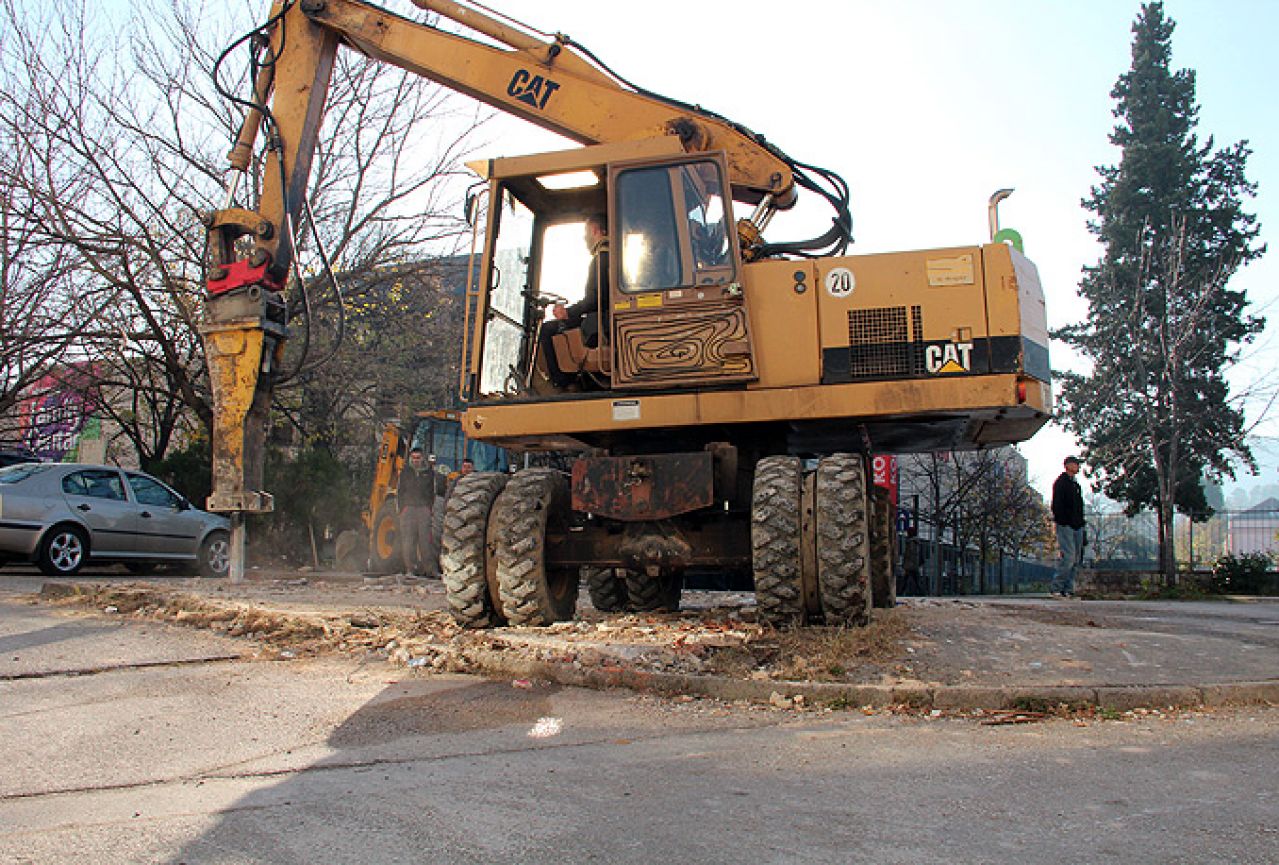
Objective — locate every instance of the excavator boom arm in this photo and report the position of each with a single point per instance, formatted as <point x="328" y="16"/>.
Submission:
<point x="545" y="81"/>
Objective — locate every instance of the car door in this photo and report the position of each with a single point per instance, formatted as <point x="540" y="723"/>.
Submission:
<point x="98" y="499"/>
<point x="166" y="525"/>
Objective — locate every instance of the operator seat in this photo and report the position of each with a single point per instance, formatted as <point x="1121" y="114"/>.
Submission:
<point x="573" y="355"/>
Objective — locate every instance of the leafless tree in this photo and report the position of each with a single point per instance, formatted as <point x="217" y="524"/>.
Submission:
<point x="37" y="323"/>
<point x="1018" y="523"/>
<point x="943" y="481"/>
<point x="124" y="139"/>
<point x="978" y="502"/>
<point x="44" y="301"/>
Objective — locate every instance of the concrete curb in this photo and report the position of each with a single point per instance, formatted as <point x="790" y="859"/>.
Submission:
<point x="944" y="697"/>
<point x="498" y="664"/>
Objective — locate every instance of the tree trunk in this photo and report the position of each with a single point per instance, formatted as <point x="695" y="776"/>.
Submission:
<point x="1165" y="486"/>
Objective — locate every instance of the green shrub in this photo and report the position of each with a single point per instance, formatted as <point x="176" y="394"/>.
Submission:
<point x="1244" y="574"/>
<point x="188" y="470"/>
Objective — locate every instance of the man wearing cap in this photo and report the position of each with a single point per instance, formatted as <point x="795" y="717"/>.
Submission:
<point x="1068" y="514"/>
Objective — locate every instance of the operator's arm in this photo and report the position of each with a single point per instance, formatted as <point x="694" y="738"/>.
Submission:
<point x="573" y="314"/>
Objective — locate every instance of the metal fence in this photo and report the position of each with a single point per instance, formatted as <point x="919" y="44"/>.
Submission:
<point x="1120" y="542"/>
<point x="929" y="564"/>
<point x="963" y="572"/>
<point x="1115" y="542"/>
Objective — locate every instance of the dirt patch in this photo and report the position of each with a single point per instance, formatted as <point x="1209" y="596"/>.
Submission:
<point x="718" y="641"/>
<point x="820" y="654"/>
<point x="309" y="633"/>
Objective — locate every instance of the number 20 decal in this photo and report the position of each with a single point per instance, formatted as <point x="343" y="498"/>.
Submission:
<point x="840" y="282"/>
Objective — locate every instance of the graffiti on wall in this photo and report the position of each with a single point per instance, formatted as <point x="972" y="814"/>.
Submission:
<point x="59" y="416"/>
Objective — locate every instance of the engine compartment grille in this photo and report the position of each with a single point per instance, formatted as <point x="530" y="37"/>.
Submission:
<point x="885" y="342"/>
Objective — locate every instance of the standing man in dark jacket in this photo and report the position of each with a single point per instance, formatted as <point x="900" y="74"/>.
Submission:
<point x="1068" y="514"/>
<point x="415" y="496"/>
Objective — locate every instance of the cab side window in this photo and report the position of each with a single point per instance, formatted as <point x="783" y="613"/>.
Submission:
<point x="504" y="335"/>
<point x="94" y="483"/>
<point x="708" y="233"/>
<point x="148" y="492"/>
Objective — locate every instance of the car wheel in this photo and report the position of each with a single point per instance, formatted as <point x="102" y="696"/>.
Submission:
<point x="63" y="551"/>
<point x="215" y="555"/>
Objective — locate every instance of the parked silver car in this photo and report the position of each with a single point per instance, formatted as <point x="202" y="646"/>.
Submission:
<point x="63" y="515"/>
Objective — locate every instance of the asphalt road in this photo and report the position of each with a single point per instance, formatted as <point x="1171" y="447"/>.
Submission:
<point x="129" y="742"/>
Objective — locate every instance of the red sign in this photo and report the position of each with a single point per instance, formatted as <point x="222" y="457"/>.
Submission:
<point x="884" y="473"/>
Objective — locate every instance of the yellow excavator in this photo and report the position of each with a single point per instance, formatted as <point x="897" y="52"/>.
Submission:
<point x="724" y="395"/>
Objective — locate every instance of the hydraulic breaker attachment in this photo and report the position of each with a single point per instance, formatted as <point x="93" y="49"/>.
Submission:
<point x="243" y="337"/>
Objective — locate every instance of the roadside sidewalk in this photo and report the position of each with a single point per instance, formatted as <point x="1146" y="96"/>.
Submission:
<point x="993" y="652"/>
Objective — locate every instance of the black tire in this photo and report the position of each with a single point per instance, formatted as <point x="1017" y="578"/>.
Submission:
<point x="673" y="591"/>
<point x="384" y="540"/>
<point x="351" y="551"/>
<point x="437" y="537"/>
<point x="843" y="542"/>
<point x="63" y="551"/>
<point x="215" y="555"/>
<point x="652" y="594"/>
<point x="532" y="592"/>
<point x="883" y="552"/>
<point x="776" y="539"/>
<point x="464" y="552"/>
<point x="607" y="588"/>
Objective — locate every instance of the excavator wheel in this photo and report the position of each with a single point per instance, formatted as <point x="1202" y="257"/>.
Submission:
<point x="384" y="546"/>
<point x="883" y="552"/>
<point x="437" y="536"/>
<point x="650" y="594"/>
<point x="464" y="558"/>
<point x="843" y="542"/>
<point x="776" y="540"/>
<point x="607" y="587"/>
<point x="532" y="592"/>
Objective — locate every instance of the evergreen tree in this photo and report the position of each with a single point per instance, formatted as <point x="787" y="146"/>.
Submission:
<point x="1154" y="414"/>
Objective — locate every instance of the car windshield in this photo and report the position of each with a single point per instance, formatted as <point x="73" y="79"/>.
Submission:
<point x="22" y="471"/>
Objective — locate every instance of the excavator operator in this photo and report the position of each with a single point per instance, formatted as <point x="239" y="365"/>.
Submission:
<point x="588" y="314"/>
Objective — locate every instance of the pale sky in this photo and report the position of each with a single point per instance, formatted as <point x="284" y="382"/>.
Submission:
<point x="927" y="107"/>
